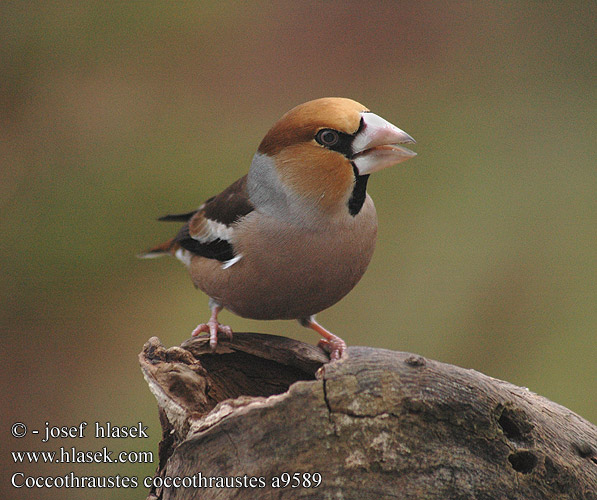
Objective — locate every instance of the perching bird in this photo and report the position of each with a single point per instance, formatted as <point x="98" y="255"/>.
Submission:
<point x="296" y="234"/>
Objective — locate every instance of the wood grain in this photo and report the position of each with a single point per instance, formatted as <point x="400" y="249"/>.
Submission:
<point x="378" y="424"/>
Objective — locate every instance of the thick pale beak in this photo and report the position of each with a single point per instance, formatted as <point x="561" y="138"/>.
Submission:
<point x="376" y="146"/>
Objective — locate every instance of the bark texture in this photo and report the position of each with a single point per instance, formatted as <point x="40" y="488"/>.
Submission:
<point x="378" y="424"/>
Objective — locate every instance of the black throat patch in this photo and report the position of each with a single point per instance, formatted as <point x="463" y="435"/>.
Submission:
<point x="359" y="192"/>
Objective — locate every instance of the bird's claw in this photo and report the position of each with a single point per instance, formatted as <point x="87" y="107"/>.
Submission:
<point x="336" y="347"/>
<point x="213" y="327"/>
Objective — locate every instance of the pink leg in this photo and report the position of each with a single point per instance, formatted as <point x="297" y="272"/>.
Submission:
<point x="333" y="344"/>
<point x="213" y="326"/>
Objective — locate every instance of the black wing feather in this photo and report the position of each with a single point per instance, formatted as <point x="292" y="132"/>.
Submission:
<point x="177" y="217"/>
<point x="226" y="208"/>
<point x="215" y="249"/>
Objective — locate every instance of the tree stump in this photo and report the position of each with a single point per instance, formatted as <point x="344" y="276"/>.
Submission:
<point x="266" y="417"/>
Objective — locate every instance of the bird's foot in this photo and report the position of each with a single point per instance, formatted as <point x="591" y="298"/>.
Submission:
<point x="213" y="327"/>
<point x="330" y="343"/>
<point x="335" y="347"/>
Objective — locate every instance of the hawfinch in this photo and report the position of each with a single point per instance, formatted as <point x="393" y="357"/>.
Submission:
<point x="296" y="234"/>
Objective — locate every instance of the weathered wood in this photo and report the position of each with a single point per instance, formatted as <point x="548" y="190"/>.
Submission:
<point x="378" y="424"/>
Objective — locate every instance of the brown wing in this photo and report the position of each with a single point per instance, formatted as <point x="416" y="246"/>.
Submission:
<point x="230" y="205"/>
<point x="208" y="230"/>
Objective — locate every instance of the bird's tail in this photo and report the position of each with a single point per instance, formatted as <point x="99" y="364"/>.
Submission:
<point x="167" y="248"/>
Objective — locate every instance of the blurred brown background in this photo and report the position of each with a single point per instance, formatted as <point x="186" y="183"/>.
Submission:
<point x="113" y="114"/>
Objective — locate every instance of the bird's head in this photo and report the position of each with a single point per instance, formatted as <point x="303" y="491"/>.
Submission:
<point x="319" y="153"/>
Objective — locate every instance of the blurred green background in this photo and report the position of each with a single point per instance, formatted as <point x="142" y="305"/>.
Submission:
<point x="115" y="113"/>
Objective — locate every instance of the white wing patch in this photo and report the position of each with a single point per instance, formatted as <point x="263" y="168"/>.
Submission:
<point x="231" y="262"/>
<point x="213" y="230"/>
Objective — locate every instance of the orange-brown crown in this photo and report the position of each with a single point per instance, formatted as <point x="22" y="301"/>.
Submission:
<point x="300" y="124"/>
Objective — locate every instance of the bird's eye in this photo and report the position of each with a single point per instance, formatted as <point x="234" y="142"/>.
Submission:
<point x="327" y="137"/>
